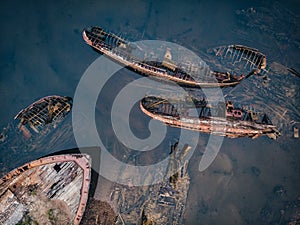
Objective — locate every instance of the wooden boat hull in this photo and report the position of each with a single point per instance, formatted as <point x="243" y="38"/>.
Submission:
<point x="45" y="111"/>
<point x="53" y="188"/>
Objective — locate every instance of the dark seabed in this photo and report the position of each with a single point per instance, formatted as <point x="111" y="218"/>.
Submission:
<point x="250" y="181"/>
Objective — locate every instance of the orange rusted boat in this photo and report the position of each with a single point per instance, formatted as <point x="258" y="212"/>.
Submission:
<point x="222" y="119"/>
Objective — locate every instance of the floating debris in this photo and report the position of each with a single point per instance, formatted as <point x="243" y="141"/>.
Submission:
<point x="296" y="132"/>
<point x="49" y="190"/>
<point x="223" y="120"/>
<point x="47" y="110"/>
<point x="293" y="71"/>
<point x="120" y="50"/>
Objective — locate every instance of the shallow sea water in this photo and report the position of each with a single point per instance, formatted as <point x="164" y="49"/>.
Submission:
<point x="250" y="181"/>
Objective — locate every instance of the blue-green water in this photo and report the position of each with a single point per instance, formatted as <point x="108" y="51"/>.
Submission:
<point x="43" y="53"/>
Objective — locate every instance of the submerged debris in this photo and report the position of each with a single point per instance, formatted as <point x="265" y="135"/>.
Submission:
<point x="47" y="110"/>
<point x="153" y="204"/>
<point x="293" y="71"/>
<point x="50" y="190"/>
<point x="223" y="120"/>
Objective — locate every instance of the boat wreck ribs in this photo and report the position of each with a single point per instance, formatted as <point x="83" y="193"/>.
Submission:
<point x="242" y="58"/>
<point x="120" y="51"/>
<point x="47" y="110"/>
<point x="227" y="121"/>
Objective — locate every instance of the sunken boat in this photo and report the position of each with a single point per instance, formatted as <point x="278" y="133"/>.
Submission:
<point x="50" y="190"/>
<point x="121" y="51"/>
<point x="240" y="58"/>
<point x="36" y="130"/>
<point x="47" y="111"/>
<point x="220" y="119"/>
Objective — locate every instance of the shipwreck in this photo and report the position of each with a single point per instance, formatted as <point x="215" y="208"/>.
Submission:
<point x="241" y="58"/>
<point x="46" y="111"/>
<point x="220" y="119"/>
<point x="121" y="51"/>
<point x="50" y="190"/>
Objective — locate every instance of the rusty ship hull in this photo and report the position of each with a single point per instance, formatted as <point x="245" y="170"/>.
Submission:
<point x="119" y="50"/>
<point x="229" y="126"/>
<point x="50" y="189"/>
